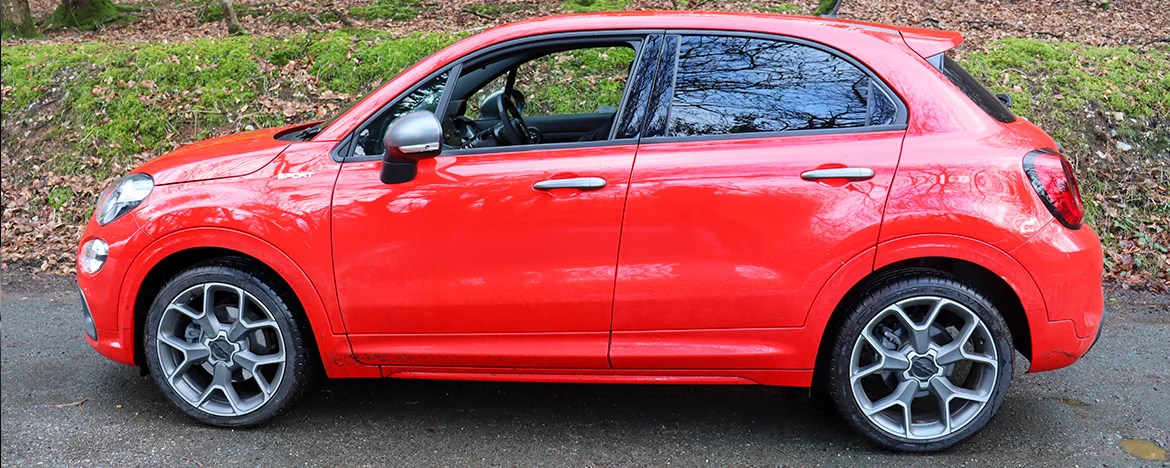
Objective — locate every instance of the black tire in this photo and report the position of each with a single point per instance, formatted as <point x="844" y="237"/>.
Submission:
<point x="300" y="365"/>
<point x="891" y="290"/>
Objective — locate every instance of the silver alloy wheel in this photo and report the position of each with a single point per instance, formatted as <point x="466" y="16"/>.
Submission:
<point x="923" y="368"/>
<point x="220" y="349"/>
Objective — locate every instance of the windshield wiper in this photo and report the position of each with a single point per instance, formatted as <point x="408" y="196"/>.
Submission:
<point x="308" y="133"/>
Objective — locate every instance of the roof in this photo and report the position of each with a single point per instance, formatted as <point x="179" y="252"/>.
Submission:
<point x="926" y="42"/>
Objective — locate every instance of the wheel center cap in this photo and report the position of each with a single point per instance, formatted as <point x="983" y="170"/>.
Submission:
<point x="923" y="368"/>
<point x="222" y="349"/>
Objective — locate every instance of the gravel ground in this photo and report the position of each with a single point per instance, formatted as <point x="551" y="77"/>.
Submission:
<point x="1071" y="417"/>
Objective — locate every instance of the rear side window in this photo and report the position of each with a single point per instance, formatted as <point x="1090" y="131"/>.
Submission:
<point x="728" y="85"/>
<point x="975" y="90"/>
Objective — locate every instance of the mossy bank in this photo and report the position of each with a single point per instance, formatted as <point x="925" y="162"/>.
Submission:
<point x="96" y="109"/>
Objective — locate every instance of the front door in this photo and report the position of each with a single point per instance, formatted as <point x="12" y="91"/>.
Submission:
<point x="497" y="254"/>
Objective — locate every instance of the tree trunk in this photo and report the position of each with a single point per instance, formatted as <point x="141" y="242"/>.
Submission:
<point x="16" y="19"/>
<point x="85" y="14"/>
<point x="229" y="15"/>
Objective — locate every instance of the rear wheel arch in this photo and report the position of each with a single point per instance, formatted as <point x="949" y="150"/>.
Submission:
<point x="981" y="279"/>
<point x="989" y="270"/>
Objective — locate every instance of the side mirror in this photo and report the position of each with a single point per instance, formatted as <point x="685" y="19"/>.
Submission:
<point x="408" y="140"/>
<point x="1005" y="99"/>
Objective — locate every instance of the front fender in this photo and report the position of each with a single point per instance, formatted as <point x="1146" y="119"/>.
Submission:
<point x="334" y="348"/>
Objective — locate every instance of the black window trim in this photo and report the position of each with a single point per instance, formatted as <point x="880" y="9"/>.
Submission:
<point x="342" y="152"/>
<point x="901" y="116"/>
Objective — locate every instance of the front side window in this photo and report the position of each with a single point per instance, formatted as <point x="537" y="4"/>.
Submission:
<point x="426" y="97"/>
<point x="549" y="96"/>
<point x="578" y="81"/>
<point x="728" y="85"/>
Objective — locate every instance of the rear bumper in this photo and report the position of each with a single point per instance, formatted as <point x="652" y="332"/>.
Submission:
<point x="1066" y="265"/>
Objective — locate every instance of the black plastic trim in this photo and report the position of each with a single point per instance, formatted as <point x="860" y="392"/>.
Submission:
<point x="647" y="46"/>
<point x="791" y="133"/>
<point x="539" y="146"/>
<point x="88" y="325"/>
<point x="937" y="60"/>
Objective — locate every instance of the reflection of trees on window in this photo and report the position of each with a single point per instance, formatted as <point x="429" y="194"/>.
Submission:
<point x="424" y="98"/>
<point x="742" y="85"/>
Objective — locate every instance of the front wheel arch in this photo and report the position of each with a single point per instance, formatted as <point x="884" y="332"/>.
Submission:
<point x="176" y="263"/>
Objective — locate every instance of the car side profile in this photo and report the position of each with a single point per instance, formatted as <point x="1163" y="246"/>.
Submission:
<point x="639" y="197"/>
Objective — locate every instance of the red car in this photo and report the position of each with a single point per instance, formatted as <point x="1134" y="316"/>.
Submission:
<point x="668" y="198"/>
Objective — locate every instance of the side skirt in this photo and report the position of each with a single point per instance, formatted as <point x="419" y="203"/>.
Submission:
<point x="771" y="377"/>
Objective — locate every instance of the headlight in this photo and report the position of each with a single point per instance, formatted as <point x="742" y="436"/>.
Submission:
<point x="93" y="256"/>
<point x="121" y="197"/>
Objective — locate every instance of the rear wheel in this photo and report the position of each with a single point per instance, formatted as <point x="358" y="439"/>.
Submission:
<point x="921" y="364"/>
<point x="224" y="346"/>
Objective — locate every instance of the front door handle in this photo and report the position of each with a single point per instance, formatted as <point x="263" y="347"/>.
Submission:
<point x="579" y="183"/>
<point x="847" y="173"/>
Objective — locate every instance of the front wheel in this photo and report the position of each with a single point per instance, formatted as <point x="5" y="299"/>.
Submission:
<point x="921" y="364"/>
<point x="224" y="345"/>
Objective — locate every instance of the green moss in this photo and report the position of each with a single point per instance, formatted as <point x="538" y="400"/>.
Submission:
<point x="59" y="196"/>
<point x="22" y="28"/>
<point x="783" y="8"/>
<point x="395" y="10"/>
<point x="117" y="102"/>
<point x="93" y="14"/>
<point x="584" y="6"/>
<point x="824" y="7"/>
<point x="491" y="9"/>
<point x="213" y="13"/>
<point x="353" y="61"/>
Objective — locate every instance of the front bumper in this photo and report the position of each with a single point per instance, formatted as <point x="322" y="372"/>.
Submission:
<point x="1066" y="265"/>
<point x="108" y="317"/>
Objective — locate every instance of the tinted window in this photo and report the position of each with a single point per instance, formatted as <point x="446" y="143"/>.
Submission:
<point x="369" y="141"/>
<point x="975" y="90"/>
<point x="742" y="85"/>
<point x="629" y="123"/>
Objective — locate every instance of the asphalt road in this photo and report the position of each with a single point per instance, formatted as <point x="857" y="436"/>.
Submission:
<point x="1074" y="416"/>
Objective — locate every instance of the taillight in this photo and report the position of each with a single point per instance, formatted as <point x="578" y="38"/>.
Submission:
<point x="1052" y="177"/>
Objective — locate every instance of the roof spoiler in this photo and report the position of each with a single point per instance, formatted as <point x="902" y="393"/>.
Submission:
<point x="928" y="43"/>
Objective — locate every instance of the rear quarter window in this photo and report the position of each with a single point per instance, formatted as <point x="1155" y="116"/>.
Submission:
<point x="976" y="91"/>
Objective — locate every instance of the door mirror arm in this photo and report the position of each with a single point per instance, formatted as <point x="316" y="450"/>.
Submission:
<point x="408" y="140"/>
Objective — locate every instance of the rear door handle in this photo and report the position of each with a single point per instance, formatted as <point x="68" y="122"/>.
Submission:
<point x="579" y="183"/>
<point x="847" y="173"/>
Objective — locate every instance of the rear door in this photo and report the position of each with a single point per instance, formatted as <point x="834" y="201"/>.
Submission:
<point x="764" y="168"/>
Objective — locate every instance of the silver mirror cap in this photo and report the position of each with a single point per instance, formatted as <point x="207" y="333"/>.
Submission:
<point x="414" y="136"/>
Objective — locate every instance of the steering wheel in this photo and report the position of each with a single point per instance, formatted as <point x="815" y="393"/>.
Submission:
<point x="512" y="128"/>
